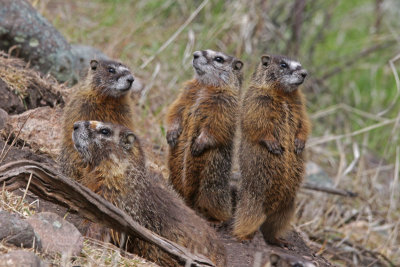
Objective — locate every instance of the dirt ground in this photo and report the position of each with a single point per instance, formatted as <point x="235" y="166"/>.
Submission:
<point x="257" y="253"/>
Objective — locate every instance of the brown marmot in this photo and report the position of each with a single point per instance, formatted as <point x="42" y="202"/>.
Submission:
<point x="201" y="126"/>
<point x="102" y="96"/>
<point x="274" y="127"/>
<point x="115" y="169"/>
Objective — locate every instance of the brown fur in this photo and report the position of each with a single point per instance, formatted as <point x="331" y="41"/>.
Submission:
<point x="201" y="128"/>
<point x="94" y="100"/>
<point x="274" y="127"/>
<point x="115" y="169"/>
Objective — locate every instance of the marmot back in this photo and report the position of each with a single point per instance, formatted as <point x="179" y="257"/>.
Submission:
<point x="103" y="96"/>
<point x="201" y="129"/>
<point x="274" y="128"/>
<point x="115" y="169"/>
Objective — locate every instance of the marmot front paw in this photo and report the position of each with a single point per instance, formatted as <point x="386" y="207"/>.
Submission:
<point x="273" y="146"/>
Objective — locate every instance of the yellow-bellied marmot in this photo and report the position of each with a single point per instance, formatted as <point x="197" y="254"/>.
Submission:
<point x="103" y="96"/>
<point x="274" y="127"/>
<point x="201" y="126"/>
<point x="115" y="169"/>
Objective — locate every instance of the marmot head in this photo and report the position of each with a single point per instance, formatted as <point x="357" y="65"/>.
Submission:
<point x="98" y="141"/>
<point x="216" y="68"/>
<point x="110" y="77"/>
<point x="281" y="71"/>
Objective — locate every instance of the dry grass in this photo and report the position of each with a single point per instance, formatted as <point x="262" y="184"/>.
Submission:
<point x="18" y="76"/>
<point x="94" y="252"/>
<point x="354" y="108"/>
<point x="16" y="204"/>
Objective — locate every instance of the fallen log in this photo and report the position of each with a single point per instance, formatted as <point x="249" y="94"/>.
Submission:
<point x="48" y="184"/>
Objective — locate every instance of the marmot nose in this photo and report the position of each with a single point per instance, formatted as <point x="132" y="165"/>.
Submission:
<point x="76" y="125"/>
<point x="303" y="73"/>
<point x="196" y="54"/>
<point x="130" y="79"/>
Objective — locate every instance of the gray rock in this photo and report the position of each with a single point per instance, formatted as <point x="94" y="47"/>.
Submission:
<point x="316" y="175"/>
<point x="56" y="234"/>
<point x="20" y="258"/>
<point x="35" y="40"/>
<point x="83" y="54"/>
<point x="18" y="232"/>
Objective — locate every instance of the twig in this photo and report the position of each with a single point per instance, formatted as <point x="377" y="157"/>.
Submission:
<point x="297" y="17"/>
<point x="349" y="62"/>
<point x="181" y="28"/>
<point x="149" y="85"/>
<point x="5" y="144"/>
<point x="329" y="190"/>
<point x="327" y="139"/>
<point x="347" y="108"/>
<point x="364" y="250"/>
<point x="396" y="77"/>
<point x="15" y="139"/>
<point x="330" y="250"/>
<point x="319" y="37"/>
<point x="26" y="190"/>
<point x="394" y="186"/>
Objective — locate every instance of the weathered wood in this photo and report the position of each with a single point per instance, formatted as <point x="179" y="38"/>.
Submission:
<point x="48" y="184"/>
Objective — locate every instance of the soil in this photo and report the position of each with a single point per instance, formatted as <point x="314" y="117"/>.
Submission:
<point x="257" y="252"/>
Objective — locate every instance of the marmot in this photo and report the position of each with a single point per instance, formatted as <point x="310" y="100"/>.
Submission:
<point x="115" y="169"/>
<point x="102" y="96"/>
<point x="200" y="133"/>
<point x="274" y="127"/>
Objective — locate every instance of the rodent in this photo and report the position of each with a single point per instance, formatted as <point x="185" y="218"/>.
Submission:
<point x="274" y="127"/>
<point x="103" y="96"/>
<point x="201" y="126"/>
<point x="115" y="169"/>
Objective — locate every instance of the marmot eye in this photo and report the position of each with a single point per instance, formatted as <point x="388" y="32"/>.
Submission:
<point x="111" y="70"/>
<point x="105" y="131"/>
<point x="219" y="59"/>
<point x="284" y="65"/>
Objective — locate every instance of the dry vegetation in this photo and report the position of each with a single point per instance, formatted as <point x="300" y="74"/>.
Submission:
<point x="349" y="48"/>
<point x="94" y="252"/>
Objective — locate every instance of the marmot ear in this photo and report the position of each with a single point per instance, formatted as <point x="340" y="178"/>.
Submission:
<point x="93" y="64"/>
<point x="265" y="60"/>
<point x="238" y="65"/>
<point x="128" y="140"/>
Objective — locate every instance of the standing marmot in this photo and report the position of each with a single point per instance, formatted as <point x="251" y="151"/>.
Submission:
<point x="274" y="127"/>
<point x="115" y="169"/>
<point x="201" y="129"/>
<point x="103" y="96"/>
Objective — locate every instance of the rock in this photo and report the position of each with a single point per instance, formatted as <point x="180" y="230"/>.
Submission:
<point x="16" y="153"/>
<point x="83" y="54"/>
<point x="35" y="40"/>
<point x="42" y="129"/>
<point x="16" y="231"/>
<point x="316" y="175"/>
<point x="57" y="235"/>
<point x="20" y="258"/>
